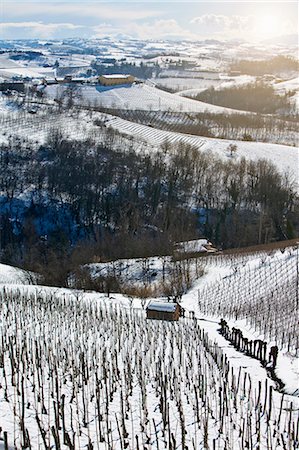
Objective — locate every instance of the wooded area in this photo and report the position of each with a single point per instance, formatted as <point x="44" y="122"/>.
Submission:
<point x="72" y="200"/>
<point x="257" y="97"/>
<point x="273" y="65"/>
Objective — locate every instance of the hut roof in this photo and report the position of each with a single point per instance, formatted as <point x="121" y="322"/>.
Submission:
<point x="116" y="75"/>
<point x="162" y="306"/>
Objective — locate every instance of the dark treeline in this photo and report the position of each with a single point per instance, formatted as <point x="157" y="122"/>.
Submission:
<point x="272" y="66"/>
<point x="258" y="97"/>
<point x="70" y="201"/>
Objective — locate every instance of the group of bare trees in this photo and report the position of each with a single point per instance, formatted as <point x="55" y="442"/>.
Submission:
<point x="256" y="97"/>
<point x="94" y="191"/>
<point x="275" y="66"/>
<point x="253" y="127"/>
<point x="146" y="277"/>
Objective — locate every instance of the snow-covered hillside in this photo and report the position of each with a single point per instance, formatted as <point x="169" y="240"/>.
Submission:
<point x="95" y="372"/>
<point x="285" y="158"/>
<point x="288" y="86"/>
<point x="190" y="87"/>
<point x="182" y="85"/>
<point x="10" y="68"/>
<point x="80" y="125"/>
<point x="12" y="275"/>
<point x="92" y="173"/>
<point x="139" y="96"/>
<point x="257" y="293"/>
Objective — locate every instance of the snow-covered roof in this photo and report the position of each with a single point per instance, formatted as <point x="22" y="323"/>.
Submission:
<point x="116" y="75"/>
<point x="162" y="306"/>
<point x="195" y="246"/>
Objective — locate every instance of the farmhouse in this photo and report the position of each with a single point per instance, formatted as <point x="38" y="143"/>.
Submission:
<point x="115" y="79"/>
<point x="163" y="311"/>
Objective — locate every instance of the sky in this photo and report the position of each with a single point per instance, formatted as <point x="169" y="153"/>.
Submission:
<point x="253" y="21"/>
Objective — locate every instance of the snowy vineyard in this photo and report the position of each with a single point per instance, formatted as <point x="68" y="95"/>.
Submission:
<point x="80" y="124"/>
<point x="262" y="289"/>
<point x="31" y="131"/>
<point x="78" y="373"/>
<point x="154" y="135"/>
<point x="24" y="125"/>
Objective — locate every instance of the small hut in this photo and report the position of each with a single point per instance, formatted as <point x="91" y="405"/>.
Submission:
<point x="163" y="311"/>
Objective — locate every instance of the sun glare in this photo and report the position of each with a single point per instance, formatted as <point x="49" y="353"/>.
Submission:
<point x="267" y="25"/>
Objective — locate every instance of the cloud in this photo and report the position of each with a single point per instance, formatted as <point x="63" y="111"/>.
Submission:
<point x="220" y="22"/>
<point x="36" y="29"/>
<point x="256" y="27"/>
<point x="159" y="29"/>
<point x="102" y="11"/>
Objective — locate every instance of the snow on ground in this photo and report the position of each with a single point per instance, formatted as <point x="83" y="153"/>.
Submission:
<point x="135" y="270"/>
<point x="77" y="330"/>
<point x="189" y="87"/>
<point x="6" y="107"/>
<point x="13" y="275"/>
<point x="30" y="72"/>
<point x="284" y="157"/>
<point x="6" y="62"/>
<point x="35" y="129"/>
<point x="191" y="74"/>
<point x="152" y="135"/>
<point x="10" y="68"/>
<point x="287" y="86"/>
<point x="137" y="96"/>
<point x="257" y="279"/>
<point x="17" y="121"/>
<point x="22" y="124"/>
<point x="182" y="85"/>
<point x="235" y="81"/>
<point x="155" y="275"/>
<point x="135" y="339"/>
<point x="257" y="294"/>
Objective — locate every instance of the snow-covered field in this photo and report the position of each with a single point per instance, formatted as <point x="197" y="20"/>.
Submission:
<point x="80" y="126"/>
<point x="12" y="275"/>
<point x="86" y="369"/>
<point x="6" y="62"/>
<point x="137" y="96"/>
<point x="183" y="84"/>
<point x="35" y="69"/>
<point x="30" y="72"/>
<point x="136" y="271"/>
<point x="10" y="68"/>
<point x="190" y="87"/>
<point x="291" y="85"/>
<point x="258" y="293"/>
<point x="284" y="157"/>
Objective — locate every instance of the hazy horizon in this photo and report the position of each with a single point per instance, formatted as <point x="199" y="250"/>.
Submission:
<point x="248" y="21"/>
